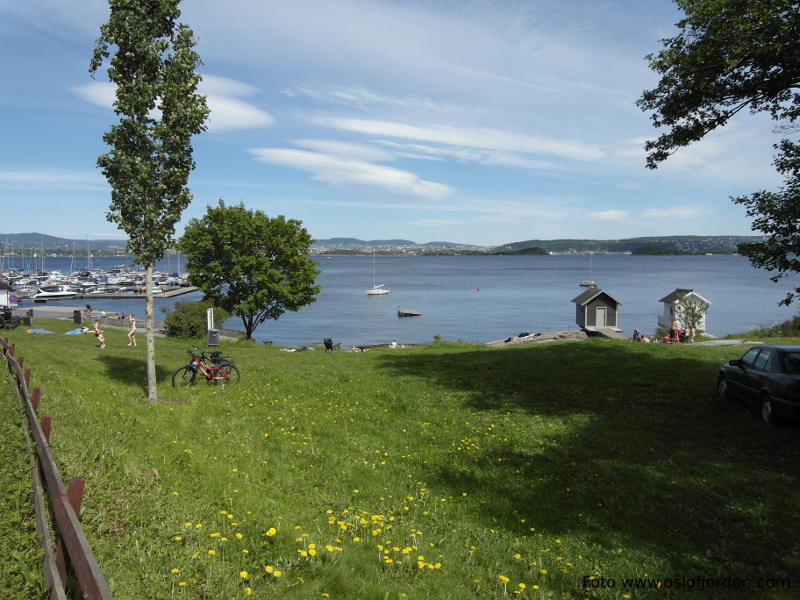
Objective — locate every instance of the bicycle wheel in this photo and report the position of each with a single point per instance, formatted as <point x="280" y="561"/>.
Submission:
<point x="183" y="377"/>
<point x="232" y="375"/>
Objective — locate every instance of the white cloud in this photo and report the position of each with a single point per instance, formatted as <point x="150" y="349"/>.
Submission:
<point x="345" y="149"/>
<point x="484" y="157"/>
<point x="227" y="112"/>
<point x="608" y="215"/>
<point x="438" y="222"/>
<point x="52" y="178"/>
<point x="629" y="185"/>
<point x="480" y="138"/>
<point x="675" y="212"/>
<point x="99" y="93"/>
<point x="365" y="99"/>
<point x="497" y="219"/>
<point x="351" y="173"/>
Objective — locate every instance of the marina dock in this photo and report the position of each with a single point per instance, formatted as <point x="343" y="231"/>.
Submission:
<point x="179" y="291"/>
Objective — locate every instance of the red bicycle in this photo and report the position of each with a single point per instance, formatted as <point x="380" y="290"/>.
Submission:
<point x="215" y="367"/>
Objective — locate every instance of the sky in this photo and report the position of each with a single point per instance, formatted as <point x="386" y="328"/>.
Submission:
<point x="472" y="121"/>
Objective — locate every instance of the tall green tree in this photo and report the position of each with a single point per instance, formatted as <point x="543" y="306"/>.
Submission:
<point x="254" y="266"/>
<point x="152" y="61"/>
<point x="729" y="56"/>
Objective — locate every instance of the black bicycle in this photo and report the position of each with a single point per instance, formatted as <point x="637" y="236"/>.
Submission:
<point x="214" y="367"/>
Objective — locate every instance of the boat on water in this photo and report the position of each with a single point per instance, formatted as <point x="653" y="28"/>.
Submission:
<point x="377" y="289"/>
<point x="54" y="292"/>
<point x="590" y="283"/>
<point x="408" y="313"/>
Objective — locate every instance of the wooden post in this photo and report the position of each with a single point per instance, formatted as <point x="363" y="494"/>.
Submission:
<point x="75" y="494"/>
<point x="35" y="395"/>
<point x="21" y="362"/>
<point x="26" y="376"/>
<point x="46" y="427"/>
<point x="11" y="349"/>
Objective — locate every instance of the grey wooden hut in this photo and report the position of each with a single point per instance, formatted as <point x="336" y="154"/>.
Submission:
<point x="596" y="311"/>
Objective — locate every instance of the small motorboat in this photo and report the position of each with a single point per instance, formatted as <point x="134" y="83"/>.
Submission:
<point x="408" y="313"/>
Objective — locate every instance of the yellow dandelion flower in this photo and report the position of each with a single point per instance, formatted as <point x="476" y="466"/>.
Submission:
<point x="312" y="552"/>
<point x="503" y="578"/>
<point x="239" y="536"/>
<point x="198" y="526"/>
<point x="268" y="569"/>
<point x="212" y="552"/>
<point x="518" y="556"/>
<point x="181" y="583"/>
<point x="248" y="591"/>
<point x="215" y="534"/>
<point x="277" y="573"/>
<point x="174" y="570"/>
<point x="271" y="531"/>
<point x="302" y="553"/>
<point x="522" y="586"/>
<point x="243" y="574"/>
<point x="536" y="587"/>
<point x="178" y="538"/>
<point x="543" y="571"/>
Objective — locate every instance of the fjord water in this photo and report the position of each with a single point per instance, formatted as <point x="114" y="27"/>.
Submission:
<point x="481" y="298"/>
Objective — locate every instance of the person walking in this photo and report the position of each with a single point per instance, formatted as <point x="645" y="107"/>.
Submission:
<point x="132" y="331"/>
<point x="98" y="333"/>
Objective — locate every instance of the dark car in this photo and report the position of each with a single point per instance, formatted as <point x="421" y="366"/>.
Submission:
<point x="767" y="377"/>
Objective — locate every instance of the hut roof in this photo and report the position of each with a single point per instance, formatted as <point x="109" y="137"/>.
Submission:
<point x="679" y="293"/>
<point x="590" y="294"/>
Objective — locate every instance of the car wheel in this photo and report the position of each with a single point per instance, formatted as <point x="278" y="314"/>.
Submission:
<point x="767" y="414"/>
<point x="722" y="388"/>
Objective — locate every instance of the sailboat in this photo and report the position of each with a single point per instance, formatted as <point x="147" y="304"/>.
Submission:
<point x="379" y="289"/>
<point x="589" y="282"/>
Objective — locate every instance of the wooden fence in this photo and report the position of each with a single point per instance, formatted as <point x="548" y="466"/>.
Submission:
<point x="70" y="553"/>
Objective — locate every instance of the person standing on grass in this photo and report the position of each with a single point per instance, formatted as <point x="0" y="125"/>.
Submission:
<point x="132" y="331"/>
<point x="98" y="333"/>
<point x="675" y="331"/>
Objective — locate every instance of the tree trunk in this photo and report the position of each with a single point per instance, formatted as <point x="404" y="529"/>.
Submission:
<point x="152" y="392"/>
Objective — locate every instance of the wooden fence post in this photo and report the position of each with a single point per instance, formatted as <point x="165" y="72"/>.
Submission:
<point x="37" y="392"/>
<point x="46" y="427"/>
<point x="26" y="376"/>
<point x="75" y="494"/>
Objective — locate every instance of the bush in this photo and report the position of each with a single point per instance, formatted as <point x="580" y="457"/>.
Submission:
<point x="789" y="328"/>
<point x="188" y="319"/>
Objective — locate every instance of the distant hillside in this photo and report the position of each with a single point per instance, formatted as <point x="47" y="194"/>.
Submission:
<point x="30" y="242"/>
<point x="686" y="243"/>
<point x="357" y="244"/>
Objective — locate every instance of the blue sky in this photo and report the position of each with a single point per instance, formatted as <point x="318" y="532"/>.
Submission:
<point x="470" y="121"/>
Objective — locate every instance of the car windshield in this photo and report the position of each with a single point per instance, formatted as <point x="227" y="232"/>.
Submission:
<point x="791" y="363"/>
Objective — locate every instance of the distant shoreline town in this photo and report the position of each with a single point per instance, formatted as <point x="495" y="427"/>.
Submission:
<point x="28" y="244"/>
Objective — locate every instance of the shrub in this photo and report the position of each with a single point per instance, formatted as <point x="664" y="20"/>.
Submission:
<point x="188" y="319"/>
<point x="789" y="328"/>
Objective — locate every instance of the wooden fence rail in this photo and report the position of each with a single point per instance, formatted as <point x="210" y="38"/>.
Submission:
<point x="71" y="551"/>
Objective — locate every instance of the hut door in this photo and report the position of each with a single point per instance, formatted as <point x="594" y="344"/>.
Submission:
<point x="601" y="316"/>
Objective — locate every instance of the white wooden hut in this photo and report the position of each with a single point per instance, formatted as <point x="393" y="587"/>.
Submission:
<point x="669" y="313"/>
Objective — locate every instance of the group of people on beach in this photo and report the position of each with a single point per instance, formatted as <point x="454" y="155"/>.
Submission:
<point x="677" y="334"/>
<point x="101" y="338"/>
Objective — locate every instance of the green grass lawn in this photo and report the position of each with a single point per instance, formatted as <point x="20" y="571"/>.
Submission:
<point x="20" y="549"/>
<point x="447" y="471"/>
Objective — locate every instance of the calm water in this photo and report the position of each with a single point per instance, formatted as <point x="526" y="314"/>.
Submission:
<point x="482" y="298"/>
